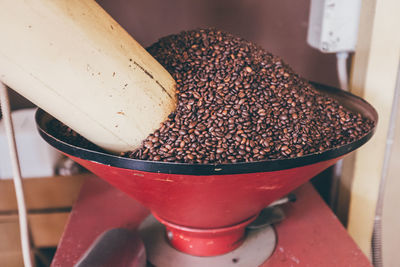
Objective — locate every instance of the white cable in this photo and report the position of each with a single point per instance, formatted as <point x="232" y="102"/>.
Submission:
<point x="341" y="64"/>
<point x="23" y="221"/>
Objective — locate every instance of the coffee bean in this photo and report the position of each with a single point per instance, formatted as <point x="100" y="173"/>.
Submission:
<point x="248" y="69"/>
<point x="241" y="94"/>
<point x="283" y="117"/>
<point x="182" y="144"/>
<point x="201" y="127"/>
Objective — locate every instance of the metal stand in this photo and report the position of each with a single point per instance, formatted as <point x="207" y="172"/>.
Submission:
<point x="256" y="249"/>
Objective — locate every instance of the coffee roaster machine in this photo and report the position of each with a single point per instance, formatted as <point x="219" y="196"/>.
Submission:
<point x="206" y="215"/>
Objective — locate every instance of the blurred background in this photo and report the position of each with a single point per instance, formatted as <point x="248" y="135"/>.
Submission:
<point x="281" y="27"/>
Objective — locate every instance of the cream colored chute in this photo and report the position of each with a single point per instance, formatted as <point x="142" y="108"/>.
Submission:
<point x="73" y="60"/>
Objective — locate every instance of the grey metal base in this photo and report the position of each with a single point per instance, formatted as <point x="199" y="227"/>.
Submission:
<point x="255" y="250"/>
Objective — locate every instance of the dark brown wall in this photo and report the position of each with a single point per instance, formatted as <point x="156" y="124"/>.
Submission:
<point x="280" y="26"/>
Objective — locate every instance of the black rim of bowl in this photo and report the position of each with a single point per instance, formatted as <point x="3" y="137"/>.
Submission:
<point x="214" y="169"/>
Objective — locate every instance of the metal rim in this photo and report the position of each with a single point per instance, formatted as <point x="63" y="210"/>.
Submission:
<point x="353" y="102"/>
<point x="206" y="230"/>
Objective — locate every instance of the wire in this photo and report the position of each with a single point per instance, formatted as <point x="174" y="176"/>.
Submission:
<point x="341" y="64"/>
<point x="19" y="191"/>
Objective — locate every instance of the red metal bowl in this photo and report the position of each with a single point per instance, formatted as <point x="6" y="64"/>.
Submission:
<point x="209" y="196"/>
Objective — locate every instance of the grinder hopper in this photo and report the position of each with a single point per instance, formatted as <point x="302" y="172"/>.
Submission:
<point x="206" y="207"/>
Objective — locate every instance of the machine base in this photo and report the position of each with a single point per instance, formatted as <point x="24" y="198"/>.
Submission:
<point x="205" y="242"/>
<point x="256" y="249"/>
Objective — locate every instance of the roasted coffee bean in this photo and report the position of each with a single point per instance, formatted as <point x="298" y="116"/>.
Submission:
<point x="248" y="69"/>
<point x="219" y="150"/>
<point x="236" y="103"/>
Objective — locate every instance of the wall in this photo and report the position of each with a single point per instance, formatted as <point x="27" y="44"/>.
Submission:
<point x="278" y="26"/>
<point x="391" y="215"/>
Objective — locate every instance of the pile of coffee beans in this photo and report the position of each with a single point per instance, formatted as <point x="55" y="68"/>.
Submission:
<point x="236" y="103"/>
<point x="239" y="103"/>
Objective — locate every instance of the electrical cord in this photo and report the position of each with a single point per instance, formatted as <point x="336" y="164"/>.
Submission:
<point x="22" y="215"/>
<point x="341" y="66"/>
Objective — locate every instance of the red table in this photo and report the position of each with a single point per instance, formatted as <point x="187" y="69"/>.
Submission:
<point x="311" y="235"/>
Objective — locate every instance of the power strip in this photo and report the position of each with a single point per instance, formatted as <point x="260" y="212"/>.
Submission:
<point x="333" y="25"/>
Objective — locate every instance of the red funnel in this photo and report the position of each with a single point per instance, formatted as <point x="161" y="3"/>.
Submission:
<point x="206" y="207"/>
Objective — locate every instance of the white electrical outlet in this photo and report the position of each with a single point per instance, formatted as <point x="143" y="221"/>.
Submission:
<point x="333" y="25"/>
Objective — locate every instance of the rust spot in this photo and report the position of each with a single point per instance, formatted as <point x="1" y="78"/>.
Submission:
<point x="114" y="74"/>
<point x="112" y="28"/>
<point x="120" y="113"/>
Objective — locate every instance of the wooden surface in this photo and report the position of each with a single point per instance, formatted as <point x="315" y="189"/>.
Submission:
<point x="309" y="236"/>
<point x="49" y="201"/>
<point x="46" y="229"/>
<point x="373" y="77"/>
<point x="42" y="193"/>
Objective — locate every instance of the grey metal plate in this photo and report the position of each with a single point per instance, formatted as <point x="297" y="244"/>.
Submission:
<point x="256" y="249"/>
